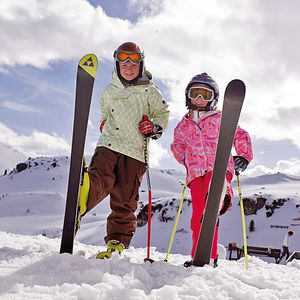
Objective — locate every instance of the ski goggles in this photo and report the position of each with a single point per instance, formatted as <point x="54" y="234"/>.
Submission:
<point x="134" y="57"/>
<point x="206" y="94"/>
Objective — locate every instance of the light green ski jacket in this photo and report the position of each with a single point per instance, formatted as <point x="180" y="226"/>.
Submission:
<point x="123" y="108"/>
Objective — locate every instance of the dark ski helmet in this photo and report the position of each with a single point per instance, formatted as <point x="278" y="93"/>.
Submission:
<point x="129" y="51"/>
<point x="203" y="78"/>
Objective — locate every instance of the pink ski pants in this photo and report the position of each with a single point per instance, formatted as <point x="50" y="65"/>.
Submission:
<point x="199" y="189"/>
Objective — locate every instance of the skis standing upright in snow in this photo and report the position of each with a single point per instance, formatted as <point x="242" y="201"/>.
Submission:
<point x="86" y="73"/>
<point x="233" y="102"/>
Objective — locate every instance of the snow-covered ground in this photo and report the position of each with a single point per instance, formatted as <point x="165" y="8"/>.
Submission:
<point x="31" y="268"/>
<point x="31" y="215"/>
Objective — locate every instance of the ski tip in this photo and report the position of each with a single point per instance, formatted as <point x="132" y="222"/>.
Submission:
<point x="236" y="85"/>
<point x="237" y="82"/>
<point x="89" y="63"/>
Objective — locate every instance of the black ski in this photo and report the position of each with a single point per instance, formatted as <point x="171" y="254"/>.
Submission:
<point x="233" y="102"/>
<point x="86" y="73"/>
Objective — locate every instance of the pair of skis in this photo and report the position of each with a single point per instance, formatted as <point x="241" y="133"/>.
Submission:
<point x="232" y="105"/>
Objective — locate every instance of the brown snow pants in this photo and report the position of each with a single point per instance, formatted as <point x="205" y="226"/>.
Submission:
<point x="115" y="174"/>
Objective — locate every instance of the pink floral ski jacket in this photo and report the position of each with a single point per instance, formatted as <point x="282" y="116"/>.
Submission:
<point x="195" y="145"/>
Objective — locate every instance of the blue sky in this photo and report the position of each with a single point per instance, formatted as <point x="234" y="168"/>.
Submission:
<point x="42" y="42"/>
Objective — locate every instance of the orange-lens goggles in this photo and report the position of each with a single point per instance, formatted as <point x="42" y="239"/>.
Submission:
<point x="132" y="56"/>
<point x="206" y="94"/>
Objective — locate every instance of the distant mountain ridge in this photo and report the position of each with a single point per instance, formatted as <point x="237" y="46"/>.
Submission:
<point x="9" y="158"/>
<point x="33" y="194"/>
<point x="271" y="179"/>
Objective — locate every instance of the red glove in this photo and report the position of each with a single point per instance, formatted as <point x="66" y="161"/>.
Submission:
<point x="102" y="125"/>
<point x="146" y="126"/>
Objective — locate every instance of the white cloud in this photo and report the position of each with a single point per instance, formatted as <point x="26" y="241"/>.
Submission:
<point x="146" y="7"/>
<point x="257" y="171"/>
<point x="20" y="107"/>
<point x="156" y="154"/>
<point x="289" y="167"/>
<point x="35" y="144"/>
<point x="248" y="39"/>
<point x="273" y="115"/>
<point x="45" y="31"/>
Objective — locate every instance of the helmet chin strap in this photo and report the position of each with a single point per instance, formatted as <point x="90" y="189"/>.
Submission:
<point x="209" y="107"/>
<point x="203" y="109"/>
<point x="212" y="104"/>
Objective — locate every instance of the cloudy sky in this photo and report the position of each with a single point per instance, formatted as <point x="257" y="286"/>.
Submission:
<point x="256" y="41"/>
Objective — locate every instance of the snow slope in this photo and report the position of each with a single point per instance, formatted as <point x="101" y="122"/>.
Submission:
<point x="9" y="157"/>
<point x="31" y="268"/>
<point x="31" y="215"/>
<point x="36" y="198"/>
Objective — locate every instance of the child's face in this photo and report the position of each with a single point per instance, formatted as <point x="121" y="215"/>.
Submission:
<point x="129" y="71"/>
<point x="199" y="102"/>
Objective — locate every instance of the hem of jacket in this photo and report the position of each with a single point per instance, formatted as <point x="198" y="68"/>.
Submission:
<point x="122" y="151"/>
<point x="189" y="179"/>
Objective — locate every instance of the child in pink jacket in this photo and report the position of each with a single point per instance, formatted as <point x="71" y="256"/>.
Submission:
<point x="195" y="145"/>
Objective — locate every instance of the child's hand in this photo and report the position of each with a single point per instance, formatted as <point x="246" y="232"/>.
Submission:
<point x="149" y="129"/>
<point x="240" y="164"/>
<point x="146" y="126"/>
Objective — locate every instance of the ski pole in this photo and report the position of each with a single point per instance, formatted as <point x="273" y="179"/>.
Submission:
<point x="243" y="220"/>
<point x="176" y="222"/>
<point x="149" y="201"/>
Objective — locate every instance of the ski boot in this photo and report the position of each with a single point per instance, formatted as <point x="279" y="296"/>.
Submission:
<point x="112" y="246"/>
<point x="188" y="263"/>
<point x="83" y="194"/>
<point x="212" y="262"/>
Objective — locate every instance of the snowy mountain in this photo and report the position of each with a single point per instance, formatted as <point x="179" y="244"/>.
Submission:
<point x="9" y="157"/>
<point x="34" y="193"/>
<point x="32" y="202"/>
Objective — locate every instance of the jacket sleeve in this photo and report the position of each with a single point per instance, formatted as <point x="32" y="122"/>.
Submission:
<point x="178" y="147"/>
<point x="242" y="144"/>
<point x="104" y="107"/>
<point x="159" y="112"/>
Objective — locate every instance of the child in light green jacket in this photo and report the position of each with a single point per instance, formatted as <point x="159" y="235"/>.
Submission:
<point x="118" y="164"/>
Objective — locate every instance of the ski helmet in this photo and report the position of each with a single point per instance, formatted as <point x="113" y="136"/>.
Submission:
<point x="129" y="51"/>
<point x="203" y="78"/>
